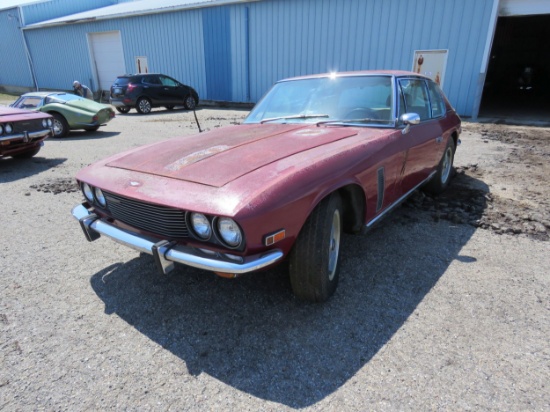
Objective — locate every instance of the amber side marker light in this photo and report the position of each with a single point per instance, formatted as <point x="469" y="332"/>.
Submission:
<point x="274" y="238"/>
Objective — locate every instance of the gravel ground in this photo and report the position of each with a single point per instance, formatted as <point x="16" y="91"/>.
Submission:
<point x="445" y="305"/>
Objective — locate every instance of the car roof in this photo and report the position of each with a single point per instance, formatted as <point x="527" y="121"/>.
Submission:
<point x="142" y="74"/>
<point x="43" y="94"/>
<point x="393" y="73"/>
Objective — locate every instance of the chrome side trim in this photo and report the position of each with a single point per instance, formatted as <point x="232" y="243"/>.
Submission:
<point x="180" y="254"/>
<point x="397" y="202"/>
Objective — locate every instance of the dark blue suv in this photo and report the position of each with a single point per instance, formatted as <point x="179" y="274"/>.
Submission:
<point x="145" y="91"/>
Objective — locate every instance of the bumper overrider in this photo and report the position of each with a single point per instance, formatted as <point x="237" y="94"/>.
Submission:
<point x="28" y="136"/>
<point x="165" y="252"/>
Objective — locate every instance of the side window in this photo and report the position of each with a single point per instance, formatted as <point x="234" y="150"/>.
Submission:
<point x="151" y="80"/>
<point x="167" y="81"/>
<point x="416" y="97"/>
<point x="29" y="103"/>
<point x="438" y="104"/>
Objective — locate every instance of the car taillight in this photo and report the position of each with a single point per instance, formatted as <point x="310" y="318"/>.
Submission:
<point x="130" y="87"/>
<point x="95" y="118"/>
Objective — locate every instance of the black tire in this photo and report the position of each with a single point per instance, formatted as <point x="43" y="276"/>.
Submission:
<point x="60" y="125"/>
<point x="170" y="107"/>
<point x="28" y="154"/>
<point x="92" y="129"/>
<point x="313" y="263"/>
<point x="123" y="109"/>
<point x="190" y="102"/>
<point x="143" y="105"/>
<point x="442" y="177"/>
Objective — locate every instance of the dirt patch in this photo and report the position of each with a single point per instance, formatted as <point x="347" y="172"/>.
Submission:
<point x="57" y="186"/>
<point x="515" y="197"/>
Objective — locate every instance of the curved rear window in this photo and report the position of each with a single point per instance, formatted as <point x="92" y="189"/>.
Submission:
<point x="122" y="81"/>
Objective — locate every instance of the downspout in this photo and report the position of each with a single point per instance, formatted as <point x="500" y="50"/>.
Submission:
<point x="27" y="52"/>
<point x="247" y="53"/>
<point x="485" y="59"/>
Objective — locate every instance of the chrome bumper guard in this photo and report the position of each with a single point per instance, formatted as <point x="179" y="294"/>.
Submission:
<point x="27" y="136"/>
<point x="165" y="252"/>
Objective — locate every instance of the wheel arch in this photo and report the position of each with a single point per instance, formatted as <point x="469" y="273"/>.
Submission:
<point x="454" y="136"/>
<point x="354" y="203"/>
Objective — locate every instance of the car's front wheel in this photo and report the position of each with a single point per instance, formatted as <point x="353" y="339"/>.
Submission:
<point x="190" y="103"/>
<point x="314" y="268"/>
<point x="443" y="175"/>
<point x="143" y="105"/>
<point x="60" y="125"/>
<point x="123" y="109"/>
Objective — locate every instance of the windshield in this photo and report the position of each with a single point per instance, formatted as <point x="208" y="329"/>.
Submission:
<point x="356" y="100"/>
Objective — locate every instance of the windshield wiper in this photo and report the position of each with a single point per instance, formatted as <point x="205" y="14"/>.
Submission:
<point x="296" y="116"/>
<point x="362" y="120"/>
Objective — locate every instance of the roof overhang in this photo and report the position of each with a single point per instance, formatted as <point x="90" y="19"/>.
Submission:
<point x="133" y="9"/>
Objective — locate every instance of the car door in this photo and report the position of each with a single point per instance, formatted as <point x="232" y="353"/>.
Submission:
<point x="422" y="143"/>
<point x="172" y="90"/>
<point x="152" y="88"/>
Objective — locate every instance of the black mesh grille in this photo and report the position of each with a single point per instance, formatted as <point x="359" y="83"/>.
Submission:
<point x="161" y="220"/>
<point x="27" y="126"/>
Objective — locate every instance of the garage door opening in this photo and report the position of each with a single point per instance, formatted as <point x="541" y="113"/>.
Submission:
<point x="518" y="76"/>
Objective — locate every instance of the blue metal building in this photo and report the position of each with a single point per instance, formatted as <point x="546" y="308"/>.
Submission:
<point x="16" y="68"/>
<point x="233" y="50"/>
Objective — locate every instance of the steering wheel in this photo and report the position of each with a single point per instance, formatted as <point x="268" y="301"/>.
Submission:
<point x="362" y="113"/>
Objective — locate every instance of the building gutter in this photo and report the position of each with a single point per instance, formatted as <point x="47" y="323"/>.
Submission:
<point x="21" y="20"/>
<point x="87" y="18"/>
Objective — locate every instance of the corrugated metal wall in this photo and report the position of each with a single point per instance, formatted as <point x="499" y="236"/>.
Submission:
<point x="14" y="67"/>
<point x="172" y="43"/>
<point x="290" y="38"/>
<point x="236" y="52"/>
<point x="217" y="52"/>
<point x="37" y="12"/>
<point x="15" y="70"/>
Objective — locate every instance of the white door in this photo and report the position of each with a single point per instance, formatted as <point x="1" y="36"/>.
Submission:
<point x="107" y="57"/>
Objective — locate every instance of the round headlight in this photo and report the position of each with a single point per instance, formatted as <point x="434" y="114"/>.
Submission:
<point x="87" y="189"/>
<point x="44" y="123"/>
<point x="8" y="128"/>
<point x="201" y="225"/>
<point x="50" y="123"/>
<point x="1" y="129"/>
<point x="100" y="197"/>
<point x="229" y="231"/>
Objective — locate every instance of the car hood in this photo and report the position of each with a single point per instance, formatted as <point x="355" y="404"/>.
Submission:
<point x="223" y="155"/>
<point x="6" y="113"/>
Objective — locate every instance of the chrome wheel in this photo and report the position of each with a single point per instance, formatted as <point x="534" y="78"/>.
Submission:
<point x="190" y="102"/>
<point x="446" y="165"/>
<point x="334" y="246"/>
<point x="60" y="126"/>
<point x="144" y="106"/>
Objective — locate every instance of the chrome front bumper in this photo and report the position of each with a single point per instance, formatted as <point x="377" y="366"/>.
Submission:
<point x="165" y="252"/>
<point x="27" y="136"/>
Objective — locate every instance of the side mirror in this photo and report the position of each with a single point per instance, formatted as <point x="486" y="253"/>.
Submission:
<point x="409" y="119"/>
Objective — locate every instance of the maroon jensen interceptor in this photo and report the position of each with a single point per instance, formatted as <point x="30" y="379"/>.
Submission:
<point x="318" y="155"/>
<point x="22" y="132"/>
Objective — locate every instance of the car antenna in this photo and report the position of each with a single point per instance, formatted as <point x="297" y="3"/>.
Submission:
<point x="197" y="120"/>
